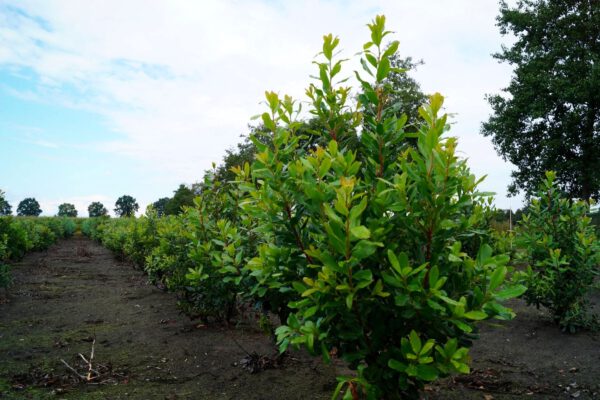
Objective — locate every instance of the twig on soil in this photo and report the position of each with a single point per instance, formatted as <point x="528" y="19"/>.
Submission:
<point x="92" y="374"/>
<point x="83" y="358"/>
<point x="255" y="362"/>
<point x="88" y="363"/>
<point x="89" y="375"/>
<point x="73" y="370"/>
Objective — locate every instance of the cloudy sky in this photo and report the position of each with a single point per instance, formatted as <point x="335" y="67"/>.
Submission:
<point x="104" y="98"/>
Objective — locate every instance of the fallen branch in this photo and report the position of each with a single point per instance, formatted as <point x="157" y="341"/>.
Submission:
<point x="83" y="378"/>
<point x="89" y="375"/>
<point x="92" y="372"/>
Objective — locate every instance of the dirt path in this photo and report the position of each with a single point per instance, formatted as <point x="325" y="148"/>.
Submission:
<point x="76" y="291"/>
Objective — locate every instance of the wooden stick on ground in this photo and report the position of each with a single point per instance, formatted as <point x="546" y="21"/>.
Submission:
<point x="73" y="370"/>
<point x="89" y="374"/>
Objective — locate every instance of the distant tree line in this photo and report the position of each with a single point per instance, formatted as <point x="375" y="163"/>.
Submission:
<point x="182" y="197"/>
<point x="125" y="206"/>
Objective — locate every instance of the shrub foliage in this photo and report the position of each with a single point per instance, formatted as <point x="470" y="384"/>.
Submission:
<point x="372" y="246"/>
<point x="21" y="235"/>
<point x="561" y="249"/>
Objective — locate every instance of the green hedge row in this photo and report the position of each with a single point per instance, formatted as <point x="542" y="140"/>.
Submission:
<point x="20" y="235"/>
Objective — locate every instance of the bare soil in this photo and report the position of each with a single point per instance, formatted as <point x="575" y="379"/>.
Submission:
<point x="76" y="296"/>
<point x="77" y="291"/>
<point x="528" y="358"/>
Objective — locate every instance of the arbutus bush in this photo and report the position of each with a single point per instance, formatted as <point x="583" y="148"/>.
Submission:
<point x="23" y="234"/>
<point x="220" y="245"/>
<point x="372" y="253"/>
<point x="559" y="245"/>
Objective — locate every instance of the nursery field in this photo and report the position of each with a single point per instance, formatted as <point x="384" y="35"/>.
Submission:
<point x="352" y="256"/>
<point x="77" y="295"/>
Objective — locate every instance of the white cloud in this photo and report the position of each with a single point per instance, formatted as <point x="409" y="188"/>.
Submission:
<point x="45" y="143"/>
<point x="179" y="79"/>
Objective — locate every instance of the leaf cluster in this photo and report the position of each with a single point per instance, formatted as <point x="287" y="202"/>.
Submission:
<point x="562" y="253"/>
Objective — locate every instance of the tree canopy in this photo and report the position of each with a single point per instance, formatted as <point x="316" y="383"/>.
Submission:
<point x="97" y="209"/>
<point x="183" y="196"/>
<point x="126" y="206"/>
<point x="406" y="95"/>
<point x="549" y="116"/>
<point x="5" y="207"/>
<point x="160" y="205"/>
<point x="29" y="207"/>
<point x="67" y="210"/>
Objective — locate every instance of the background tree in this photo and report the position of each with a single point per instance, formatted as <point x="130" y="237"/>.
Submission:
<point x="160" y="205"/>
<point x="97" y="209"/>
<point x="184" y="196"/>
<point x="5" y="207"/>
<point x="405" y="94"/>
<point x="29" y="207"/>
<point x="126" y="206"/>
<point x="550" y="117"/>
<point x="243" y="153"/>
<point x="67" y="210"/>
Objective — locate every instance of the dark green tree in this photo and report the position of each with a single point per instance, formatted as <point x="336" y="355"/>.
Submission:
<point x="29" y="207"/>
<point x="549" y="116"/>
<point x="160" y="205"/>
<point x="97" y="209"/>
<point x="405" y="94"/>
<point x="184" y="196"/>
<point x="5" y="207"/>
<point x="126" y="206"/>
<point x="243" y="153"/>
<point x="67" y="210"/>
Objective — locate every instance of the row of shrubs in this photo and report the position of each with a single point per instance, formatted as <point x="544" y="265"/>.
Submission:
<point x="374" y="247"/>
<point x="213" y="267"/>
<point x="21" y="235"/>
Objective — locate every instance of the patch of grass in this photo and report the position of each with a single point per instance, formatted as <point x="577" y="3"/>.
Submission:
<point x="9" y="393"/>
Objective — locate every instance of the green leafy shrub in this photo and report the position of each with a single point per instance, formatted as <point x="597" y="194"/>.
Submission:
<point x="91" y="226"/>
<point x="217" y="252"/>
<point x="141" y="238"/>
<point x="377" y="252"/>
<point x="69" y="226"/>
<point x="23" y="234"/>
<point x="562" y="251"/>
<point x="168" y="262"/>
<point x="375" y="247"/>
<point x="199" y="254"/>
<point x="16" y="239"/>
<point x="5" y="276"/>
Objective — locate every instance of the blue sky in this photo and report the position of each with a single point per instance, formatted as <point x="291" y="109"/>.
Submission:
<point x="100" y="99"/>
<point x="49" y="151"/>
